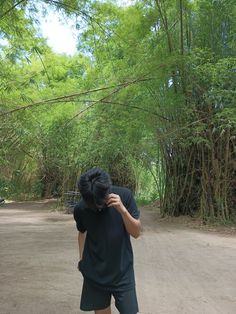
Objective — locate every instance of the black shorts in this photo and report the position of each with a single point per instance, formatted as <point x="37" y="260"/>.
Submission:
<point x="93" y="299"/>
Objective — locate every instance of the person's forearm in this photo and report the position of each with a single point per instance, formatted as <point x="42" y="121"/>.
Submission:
<point x="132" y="225"/>
<point x="81" y="241"/>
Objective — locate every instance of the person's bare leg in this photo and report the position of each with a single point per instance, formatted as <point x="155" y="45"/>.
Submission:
<point x="105" y="311"/>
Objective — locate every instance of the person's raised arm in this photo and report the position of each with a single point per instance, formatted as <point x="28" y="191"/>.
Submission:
<point x="132" y="225"/>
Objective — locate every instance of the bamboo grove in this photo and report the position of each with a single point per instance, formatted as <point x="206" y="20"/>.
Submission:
<point x="149" y="96"/>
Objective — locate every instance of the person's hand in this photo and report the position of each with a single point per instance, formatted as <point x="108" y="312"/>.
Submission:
<point x="114" y="200"/>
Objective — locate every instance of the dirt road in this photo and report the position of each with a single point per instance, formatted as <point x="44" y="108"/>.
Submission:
<point x="178" y="270"/>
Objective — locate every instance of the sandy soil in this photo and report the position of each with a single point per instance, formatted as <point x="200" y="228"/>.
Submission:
<point x="179" y="268"/>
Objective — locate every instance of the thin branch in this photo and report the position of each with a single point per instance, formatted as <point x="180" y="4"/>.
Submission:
<point x="138" y="108"/>
<point x="128" y="106"/>
<point x="12" y="8"/>
<point x="182" y="128"/>
<point x="165" y="23"/>
<point x="181" y="28"/>
<point x="45" y="69"/>
<point x="100" y="100"/>
<point x="71" y="96"/>
<point x="85" y="15"/>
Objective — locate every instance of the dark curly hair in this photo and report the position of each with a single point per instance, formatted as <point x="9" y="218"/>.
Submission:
<point x="94" y="185"/>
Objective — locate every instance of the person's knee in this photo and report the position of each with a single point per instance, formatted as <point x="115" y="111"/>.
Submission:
<point x="105" y="311"/>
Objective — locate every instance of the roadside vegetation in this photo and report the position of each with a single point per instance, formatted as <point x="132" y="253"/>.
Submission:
<point x="149" y="96"/>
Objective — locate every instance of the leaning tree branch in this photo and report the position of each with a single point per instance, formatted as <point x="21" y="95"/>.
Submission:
<point x="71" y="96"/>
<point x="100" y="100"/>
<point x="128" y="106"/>
<point x="12" y="8"/>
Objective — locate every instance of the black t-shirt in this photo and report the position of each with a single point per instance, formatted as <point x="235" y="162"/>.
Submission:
<point x="108" y="257"/>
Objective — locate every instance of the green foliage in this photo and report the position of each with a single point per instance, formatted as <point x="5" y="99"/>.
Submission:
<point x="149" y="97"/>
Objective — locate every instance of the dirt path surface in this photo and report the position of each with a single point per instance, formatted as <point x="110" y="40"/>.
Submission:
<point x="178" y="269"/>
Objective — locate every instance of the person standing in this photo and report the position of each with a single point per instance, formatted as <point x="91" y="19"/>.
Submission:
<point x="105" y="217"/>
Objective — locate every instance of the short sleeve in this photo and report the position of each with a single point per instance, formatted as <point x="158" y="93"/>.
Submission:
<point x="131" y="205"/>
<point x="78" y="217"/>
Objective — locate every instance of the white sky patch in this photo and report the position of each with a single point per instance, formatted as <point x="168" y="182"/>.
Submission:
<point x="3" y="42"/>
<point x="125" y="3"/>
<point x="61" y="36"/>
